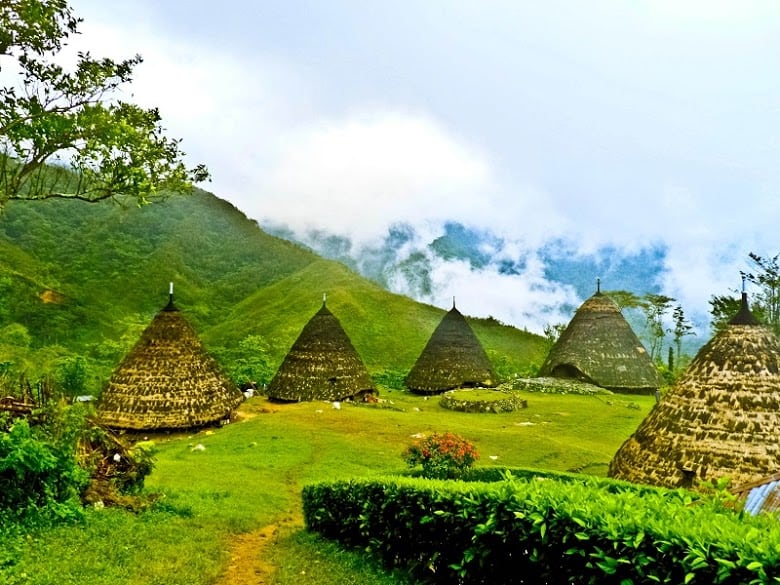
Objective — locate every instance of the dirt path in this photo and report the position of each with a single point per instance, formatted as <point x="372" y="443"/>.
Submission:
<point x="248" y="565"/>
<point x="249" y="551"/>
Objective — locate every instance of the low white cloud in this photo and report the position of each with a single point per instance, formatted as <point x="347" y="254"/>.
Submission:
<point x="597" y="150"/>
<point x="360" y="174"/>
<point x="525" y="300"/>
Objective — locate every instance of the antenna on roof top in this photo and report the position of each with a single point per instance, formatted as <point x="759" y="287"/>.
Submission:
<point x="598" y="285"/>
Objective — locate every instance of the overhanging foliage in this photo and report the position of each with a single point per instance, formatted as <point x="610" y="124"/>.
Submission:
<point x="100" y="146"/>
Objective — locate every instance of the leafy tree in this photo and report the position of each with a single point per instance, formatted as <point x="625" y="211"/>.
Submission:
<point x="625" y="299"/>
<point x="767" y="278"/>
<point x="248" y="362"/>
<point x="65" y="133"/>
<point x="71" y="376"/>
<point x="655" y="307"/>
<point x="765" y="304"/>
<point x="682" y="328"/>
<point x="722" y="309"/>
<point x="552" y="332"/>
<point x="15" y="334"/>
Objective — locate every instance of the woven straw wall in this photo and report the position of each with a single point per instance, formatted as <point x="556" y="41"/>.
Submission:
<point x="721" y="419"/>
<point x="452" y="358"/>
<point x="599" y="347"/>
<point x="167" y="381"/>
<point x="322" y="364"/>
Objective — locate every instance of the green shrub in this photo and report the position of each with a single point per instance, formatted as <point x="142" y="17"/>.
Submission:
<point x="71" y="376"/>
<point x="38" y="470"/>
<point x="391" y="379"/>
<point x="545" y="531"/>
<point x="442" y="455"/>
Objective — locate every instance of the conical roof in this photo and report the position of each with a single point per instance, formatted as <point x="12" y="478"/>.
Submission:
<point x="452" y="358"/>
<point x="599" y="347"/>
<point x="167" y="381"/>
<point x="721" y="419"/>
<point x="322" y="364"/>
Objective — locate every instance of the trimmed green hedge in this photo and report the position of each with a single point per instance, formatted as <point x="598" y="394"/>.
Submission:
<point x="546" y="531"/>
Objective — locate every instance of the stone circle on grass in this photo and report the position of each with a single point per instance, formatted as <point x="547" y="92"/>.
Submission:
<point x="554" y="386"/>
<point x="493" y="401"/>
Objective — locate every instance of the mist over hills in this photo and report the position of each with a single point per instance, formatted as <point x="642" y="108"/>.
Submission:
<point x="433" y="268"/>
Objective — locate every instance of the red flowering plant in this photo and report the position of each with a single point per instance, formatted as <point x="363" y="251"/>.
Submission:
<point x="442" y="455"/>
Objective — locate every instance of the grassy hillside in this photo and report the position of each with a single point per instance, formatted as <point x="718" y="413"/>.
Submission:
<point x="234" y="502"/>
<point x="84" y="279"/>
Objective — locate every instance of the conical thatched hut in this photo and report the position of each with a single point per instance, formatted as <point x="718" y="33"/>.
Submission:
<point x="167" y="381"/>
<point x="720" y="420"/>
<point x="322" y="364"/>
<point x="452" y="358"/>
<point x="599" y="347"/>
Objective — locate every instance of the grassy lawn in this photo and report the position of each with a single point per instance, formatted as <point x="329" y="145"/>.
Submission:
<point x="219" y="484"/>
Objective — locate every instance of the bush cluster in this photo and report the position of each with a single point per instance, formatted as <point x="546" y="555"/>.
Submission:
<point x="545" y="531"/>
<point x="46" y="468"/>
<point x="442" y="455"/>
<point x="39" y="472"/>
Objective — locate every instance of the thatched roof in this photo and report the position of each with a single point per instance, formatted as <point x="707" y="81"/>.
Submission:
<point x="599" y="347"/>
<point x="322" y="364"/>
<point x="452" y="358"/>
<point x="167" y="381"/>
<point x="721" y="419"/>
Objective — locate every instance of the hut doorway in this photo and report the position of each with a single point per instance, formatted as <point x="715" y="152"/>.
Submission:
<point x="570" y="372"/>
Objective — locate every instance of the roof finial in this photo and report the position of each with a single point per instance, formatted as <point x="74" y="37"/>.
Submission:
<point x="598" y="285"/>
<point x="324" y="298"/>
<point x="453" y="301"/>
<point x="170" y="306"/>
<point x="744" y="316"/>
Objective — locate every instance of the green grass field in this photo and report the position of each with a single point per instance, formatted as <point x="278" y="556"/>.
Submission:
<point x="219" y="488"/>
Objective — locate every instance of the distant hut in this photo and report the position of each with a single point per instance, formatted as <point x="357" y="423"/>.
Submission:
<point x="599" y="347"/>
<point x="720" y="420"/>
<point x="452" y="358"/>
<point x="167" y="381"/>
<point x="322" y="364"/>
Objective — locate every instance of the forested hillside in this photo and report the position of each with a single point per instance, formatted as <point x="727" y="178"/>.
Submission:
<point x="79" y="281"/>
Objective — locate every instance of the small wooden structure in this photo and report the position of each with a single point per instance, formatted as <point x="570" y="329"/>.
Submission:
<point x="15" y="407"/>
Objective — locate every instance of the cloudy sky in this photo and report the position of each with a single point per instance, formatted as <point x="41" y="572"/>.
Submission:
<point x="627" y="124"/>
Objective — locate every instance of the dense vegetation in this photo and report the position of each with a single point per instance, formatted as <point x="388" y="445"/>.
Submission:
<point x="80" y="281"/>
<point x="545" y="530"/>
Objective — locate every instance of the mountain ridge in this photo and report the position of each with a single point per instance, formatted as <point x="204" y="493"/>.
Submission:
<point x="110" y="266"/>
